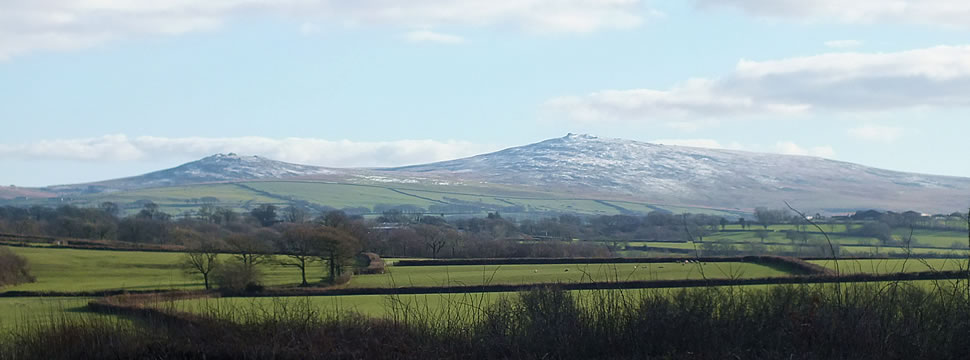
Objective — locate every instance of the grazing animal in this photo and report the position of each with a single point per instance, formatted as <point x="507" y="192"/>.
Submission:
<point x="567" y="270"/>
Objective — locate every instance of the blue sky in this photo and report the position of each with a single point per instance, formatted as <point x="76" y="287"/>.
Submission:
<point x="91" y="90"/>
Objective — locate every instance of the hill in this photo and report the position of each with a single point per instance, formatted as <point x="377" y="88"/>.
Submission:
<point x="710" y="177"/>
<point x="573" y="174"/>
<point x="213" y="169"/>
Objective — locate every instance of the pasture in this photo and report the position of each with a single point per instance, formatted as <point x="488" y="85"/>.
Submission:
<point x="72" y="270"/>
<point x="462" y="275"/>
<point x="369" y="193"/>
<point x="886" y="266"/>
<point x="17" y="312"/>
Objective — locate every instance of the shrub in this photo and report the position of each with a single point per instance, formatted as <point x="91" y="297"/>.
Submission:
<point x="342" y="279"/>
<point x="238" y="277"/>
<point x="13" y="269"/>
<point x="369" y="263"/>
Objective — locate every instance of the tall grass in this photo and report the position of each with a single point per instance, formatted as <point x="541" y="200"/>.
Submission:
<point x="880" y="320"/>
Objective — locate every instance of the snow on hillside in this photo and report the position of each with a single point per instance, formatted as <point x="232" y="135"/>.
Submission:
<point x="691" y="175"/>
<point x="584" y="165"/>
<point x="215" y="168"/>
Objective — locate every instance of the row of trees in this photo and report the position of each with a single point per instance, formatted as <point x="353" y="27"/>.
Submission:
<point x="299" y="245"/>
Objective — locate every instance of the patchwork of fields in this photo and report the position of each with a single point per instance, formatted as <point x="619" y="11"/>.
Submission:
<point x="924" y="242"/>
<point x="487" y="197"/>
<point x="72" y="270"/>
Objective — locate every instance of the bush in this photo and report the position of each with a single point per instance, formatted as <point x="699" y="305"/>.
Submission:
<point x="369" y="263"/>
<point x="342" y="279"/>
<point x="238" y="277"/>
<point x="13" y="269"/>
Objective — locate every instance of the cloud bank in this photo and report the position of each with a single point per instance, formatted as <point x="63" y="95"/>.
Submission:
<point x="311" y="151"/>
<point x="949" y="13"/>
<point x="838" y="82"/>
<point x="37" y="25"/>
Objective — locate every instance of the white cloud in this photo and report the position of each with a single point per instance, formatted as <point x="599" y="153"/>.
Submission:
<point x="678" y="107"/>
<point x="846" y="82"/>
<point x="790" y="148"/>
<point x="341" y="153"/>
<point x="428" y="36"/>
<point x="37" y="25"/>
<point x="871" y="132"/>
<point x="949" y="13"/>
<point x="843" y="44"/>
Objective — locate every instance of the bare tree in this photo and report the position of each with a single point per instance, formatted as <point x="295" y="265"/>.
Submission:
<point x="761" y="234"/>
<point x="434" y="238"/>
<point x="249" y="249"/>
<point x="336" y="247"/>
<point x="299" y="246"/>
<point x="295" y="214"/>
<point x="202" y="259"/>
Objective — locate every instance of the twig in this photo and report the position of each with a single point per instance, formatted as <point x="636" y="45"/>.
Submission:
<point x="835" y="257"/>
<point x="697" y="255"/>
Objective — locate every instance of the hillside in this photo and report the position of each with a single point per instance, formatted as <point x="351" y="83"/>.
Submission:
<point x="710" y="177"/>
<point x="212" y="169"/>
<point x="573" y="174"/>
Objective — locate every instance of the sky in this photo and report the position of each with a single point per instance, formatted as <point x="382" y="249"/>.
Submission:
<point x="99" y="89"/>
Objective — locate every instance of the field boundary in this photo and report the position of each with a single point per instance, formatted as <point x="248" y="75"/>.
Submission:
<point x="620" y="285"/>
<point x="797" y="266"/>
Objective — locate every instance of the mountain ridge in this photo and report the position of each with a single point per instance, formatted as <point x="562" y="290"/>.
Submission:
<point x="588" y="165"/>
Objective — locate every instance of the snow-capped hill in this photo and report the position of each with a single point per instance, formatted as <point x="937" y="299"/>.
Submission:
<point x="216" y="168"/>
<point x="700" y="176"/>
<point x="228" y="167"/>
<point x="585" y="166"/>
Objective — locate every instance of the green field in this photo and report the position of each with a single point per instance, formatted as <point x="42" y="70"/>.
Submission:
<point x="174" y="200"/>
<point x="372" y="192"/>
<point x="339" y="195"/>
<point x="885" y="266"/>
<point x="936" y="238"/>
<point x="68" y="270"/>
<point x="371" y="305"/>
<point x="17" y="312"/>
<point x="528" y="274"/>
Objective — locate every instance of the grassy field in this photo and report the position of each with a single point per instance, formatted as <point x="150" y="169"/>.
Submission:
<point x="174" y="200"/>
<point x="849" y="246"/>
<point x="370" y="193"/>
<point x="16" y="312"/>
<point x="884" y="266"/>
<point x="937" y="238"/>
<point x="528" y="274"/>
<point x="339" y="195"/>
<point x="70" y="270"/>
<point x="370" y="305"/>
